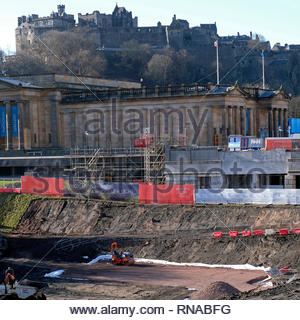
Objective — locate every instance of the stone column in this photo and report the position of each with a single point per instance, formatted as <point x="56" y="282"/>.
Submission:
<point x="238" y="120"/>
<point x="243" y="121"/>
<point x="21" y="125"/>
<point x="229" y="120"/>
<point x="286" y="124"/>
<point x="210" y="128"/>
<point x="253" y="122"/>
<point x="224" y="125"/>
<point x="8" y="126"/>
<point x="250" y="122"/>
<point x="26" y="110"/>
<point x="276" y="122"/>
<point x="271" y="122"/>
<point x="280" y="133"/>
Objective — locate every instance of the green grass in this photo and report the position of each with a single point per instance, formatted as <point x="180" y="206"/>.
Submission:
<point x="12" y="208"/>
<point x="4" y="183"/>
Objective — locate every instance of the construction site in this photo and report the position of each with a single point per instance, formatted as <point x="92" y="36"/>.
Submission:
<point x="62" y="246"/>
<point x="178" y="192"/>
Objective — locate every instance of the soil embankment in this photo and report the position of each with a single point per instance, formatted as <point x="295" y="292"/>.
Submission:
<point x="83" y="217"/>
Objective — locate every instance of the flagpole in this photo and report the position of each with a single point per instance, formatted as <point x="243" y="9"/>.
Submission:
<point x="263" y="67"/>
<point x="218" y="73"/>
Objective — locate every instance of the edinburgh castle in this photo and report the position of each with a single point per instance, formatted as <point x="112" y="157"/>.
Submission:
<point x="112" y="31"/>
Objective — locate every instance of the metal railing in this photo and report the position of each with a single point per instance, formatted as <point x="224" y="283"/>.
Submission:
<point x="163" y="91"/>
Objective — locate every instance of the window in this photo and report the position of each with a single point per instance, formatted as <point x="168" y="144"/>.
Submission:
<point x="49" y="138"/>
<point x="34" y="138"/>
<point x="204" y="182"/>
<point x="239" y="181"/>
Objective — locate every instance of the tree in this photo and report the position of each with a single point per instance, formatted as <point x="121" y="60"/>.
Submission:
<point x="294" y="72"/>
<point x="159" y="69"/>
<point x="2" y="60"/>
<point x="24" y="63"/>
<point x="133" y="59"/>
<point x="294" y="108"/>
<point x="60" y="52"/>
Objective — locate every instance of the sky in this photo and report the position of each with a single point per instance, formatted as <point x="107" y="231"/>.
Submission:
<point x="277" y="21"/>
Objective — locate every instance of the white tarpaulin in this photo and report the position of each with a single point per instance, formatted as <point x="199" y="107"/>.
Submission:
<point x="245" y="196"/>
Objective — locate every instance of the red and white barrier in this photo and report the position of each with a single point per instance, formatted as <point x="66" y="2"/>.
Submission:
<point x="248" y="233"/>
<point x="296" y="231"/>
<point x="218" y="234"/>
<point x="284" y="232"/>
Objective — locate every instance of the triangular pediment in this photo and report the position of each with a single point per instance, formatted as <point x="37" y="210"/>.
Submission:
<point x="280" y="94"/>
<point x="237" y="91"/>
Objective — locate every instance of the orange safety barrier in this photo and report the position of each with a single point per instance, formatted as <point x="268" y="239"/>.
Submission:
<point x="258" y="233"/>
<point x="42" y="186"/>
<point x="218" y="234"/>
<point x="233" y="234"/>
<point x="296" y="231"/>
<point x="166" y="194"/>
<point x="283" y="232"/>
<point x="246" y="233"/>
<point x="10" y="190"/>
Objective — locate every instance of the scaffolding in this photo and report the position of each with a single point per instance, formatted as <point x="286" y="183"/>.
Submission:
<point x="139" y="164"/>
<point x="111" y="165"/>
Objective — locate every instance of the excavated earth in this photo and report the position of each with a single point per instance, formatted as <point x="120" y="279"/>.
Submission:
<point x="64" y="232"/>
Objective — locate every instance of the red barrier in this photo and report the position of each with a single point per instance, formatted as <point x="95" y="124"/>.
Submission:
<point x="296" y="231"/>
<point x="284" y="270"/>
<point x="42" y="186"/>
<point x="233" y="234"/>
<point x="10" y="190"/>
<point x="246" y="233"/>
<point x="218" y="234"/>
<point x="284" y="232"/>
<point x="258" y="233"/>
<point x="279" y="143"/>
<point x="165" y="194"/>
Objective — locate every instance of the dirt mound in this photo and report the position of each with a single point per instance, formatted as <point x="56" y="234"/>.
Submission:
<point x="289" y="291"/>
<point x="216" y="290"/>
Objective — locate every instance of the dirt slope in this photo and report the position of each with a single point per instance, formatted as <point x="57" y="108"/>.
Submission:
<point x="71" y="217"/>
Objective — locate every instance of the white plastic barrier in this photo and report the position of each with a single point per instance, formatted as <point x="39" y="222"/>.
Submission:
<point x="245" y="196"/>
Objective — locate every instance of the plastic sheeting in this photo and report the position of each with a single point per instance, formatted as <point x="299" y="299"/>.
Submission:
<point x="42" y="186"/>
<point x="164" y="194"/>
<point x="245" y="196"/>
<point x="294" y="123"/>
<point x="115" y="191"/>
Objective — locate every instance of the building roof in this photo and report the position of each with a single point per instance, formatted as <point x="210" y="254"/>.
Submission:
<point x="266" y="94"/>
<point x="18" y="83"/>
<point x="219" y="90"/>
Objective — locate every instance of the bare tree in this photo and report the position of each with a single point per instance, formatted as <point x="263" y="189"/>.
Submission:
<point x="2" y="60"/>
<point x="133" y="59"/>
<point x="159" y="69"/>
<point x="60" y="52"/>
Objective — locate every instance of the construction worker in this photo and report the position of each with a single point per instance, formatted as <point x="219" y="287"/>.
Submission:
<point x="10" y="277"/>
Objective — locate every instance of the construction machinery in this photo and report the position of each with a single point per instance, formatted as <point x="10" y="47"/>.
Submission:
<point x="120" y="258"/>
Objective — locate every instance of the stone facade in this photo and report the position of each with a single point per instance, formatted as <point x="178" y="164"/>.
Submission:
<point x="34" y="26"/>
<point x="112" y="30"/>
<point x="113" y="118"/>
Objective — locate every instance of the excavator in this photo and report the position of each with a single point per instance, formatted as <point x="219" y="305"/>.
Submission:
<point x="120" y="258"/>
